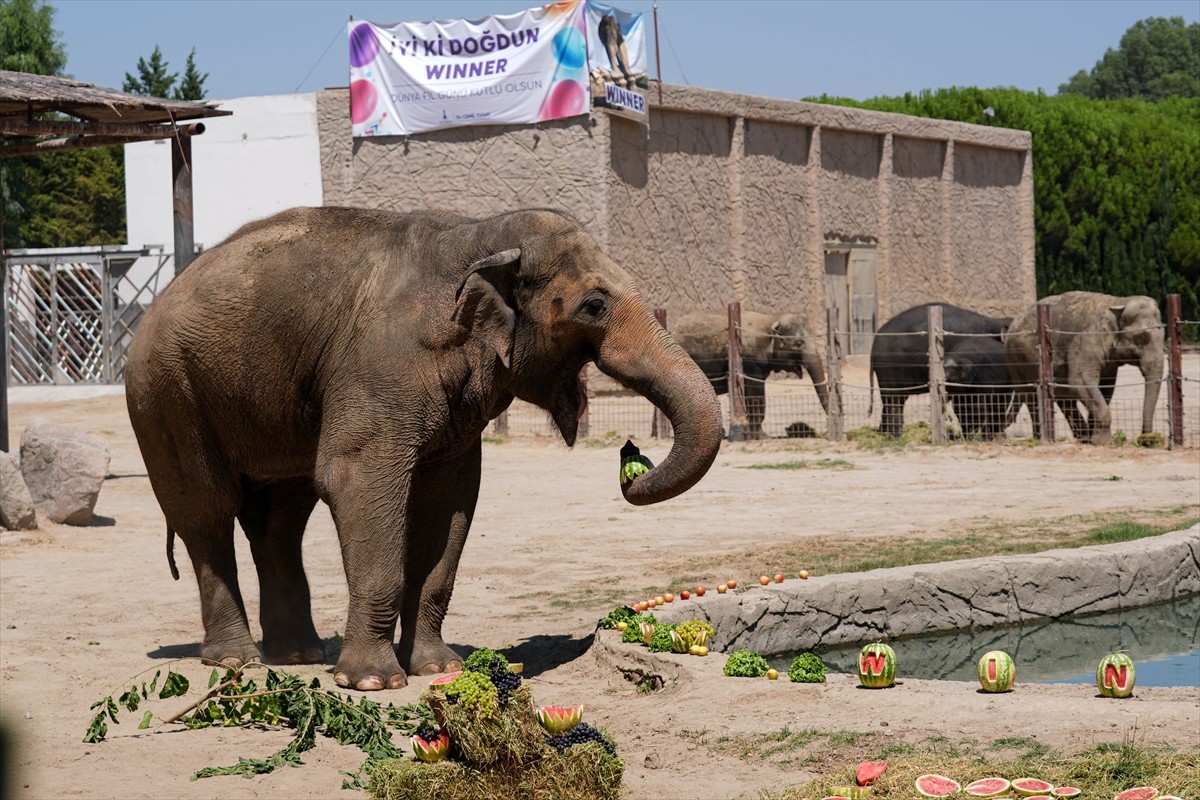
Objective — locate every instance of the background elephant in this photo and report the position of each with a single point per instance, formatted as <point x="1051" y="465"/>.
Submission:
<point x="1091" y="336"/>
<point x="770" y="343"/>
<point x="355" y="357"/>
<point x="900" y="362"/>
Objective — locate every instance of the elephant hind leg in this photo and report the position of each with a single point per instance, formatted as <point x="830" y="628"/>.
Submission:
<point x="891" y="421"/>
<point x="273" y="517"/>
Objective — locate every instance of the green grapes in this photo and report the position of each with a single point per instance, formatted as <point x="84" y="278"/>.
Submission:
<point x="689" y="629"/>
<point x="475" y="691"/>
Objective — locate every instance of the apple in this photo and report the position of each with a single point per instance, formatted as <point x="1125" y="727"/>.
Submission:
<point x="668" y="597"/>
<point x="639" y="607"/>
<point x="700" y="591"/>
<point x="701" y="650"/>
<point x="803" y="574"/>
<point x="764" y="580"/>
<point x="731" y="584"/>
<point x="779" y="577"/>
<point x="658" y="601"/>
<point x="685" y="594"/>
<point x="721" y="588"/>
<point x="772" y="674"/>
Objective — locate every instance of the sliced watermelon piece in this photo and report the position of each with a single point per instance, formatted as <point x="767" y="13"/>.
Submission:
<point x="936" y="786"/>
<point x="853" y="792"/>
<point x="1138" y="793"/>
<point x="1066" y="791"/>
<point x="835" y="797"/>
<point x="447" y="678"/>
<point x="1031" y="787"/>
<point x="869" y="771"/>
<point x="1168" y="797"/>
<point x="1041" y="797"/>
<point x="987" y="787"/>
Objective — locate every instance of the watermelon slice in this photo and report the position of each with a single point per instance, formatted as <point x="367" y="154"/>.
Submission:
<point x="447" y="678"/>
<point x="835" y="797"/>
<point x="853" y="792"/>
<point x="936" y="786"/>
<point x="987" y="787"/>
<point x="869" y="771"/>
<point x="1138" y="793"/>
<point x="1031" y="787"/>
<point x="1066" y="791"/>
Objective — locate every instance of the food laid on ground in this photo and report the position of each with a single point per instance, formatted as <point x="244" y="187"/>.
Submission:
<point x="661" y="640"/>
<point x="807" y="668"/>
<point x="1063" y="792"/>
<point x="779" y="576"/>
<point x="647" y="631"/>
<point x="447" y="678"/>
<point x="996" y="672"/>
<point x="803" y="574"/>
<point x="764" y="580"/>
<point x="678" y="643"/>
<point x="731" y="584"/>
<point x="559" y="719"/>
<point x="876" y="666"/>
<point x="616" y="616"/>
<point x="685" y="595"/>
<point x="1115" y="676"/>
<point x="668" y="597"/>
<point x="852" y="792"/>
<point x="745" y="664"/>
<point x="1138" y="793"/>
<point x="772" y="674"/>
<point x="936" y="786"/>
<point x="722" y="588"/>
<point x="867" y="772"/>
<point x="1029" y="787"/>
<point x="987" y="787"/>
<point x="430" y="743"/>
<point x="700" y="591"/>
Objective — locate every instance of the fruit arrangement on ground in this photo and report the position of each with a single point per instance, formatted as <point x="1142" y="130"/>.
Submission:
<point x="996" y="671"/>
<point x="745" y="664"/>
<point x="807" y="668"/>
<point x="1115" y="675"/>
<point x="877" y="666"/>
<point x="489" y="741"/>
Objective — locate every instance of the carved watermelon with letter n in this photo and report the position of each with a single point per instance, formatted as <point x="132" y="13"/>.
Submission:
<point x="1115" y="676"/>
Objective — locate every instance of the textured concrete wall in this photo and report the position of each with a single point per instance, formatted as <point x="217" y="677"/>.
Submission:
<point x="731" y="197"/>
<point x="977" y="593"/>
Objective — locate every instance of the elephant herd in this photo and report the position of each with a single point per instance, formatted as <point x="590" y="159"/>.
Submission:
<point x="991" y="364"/>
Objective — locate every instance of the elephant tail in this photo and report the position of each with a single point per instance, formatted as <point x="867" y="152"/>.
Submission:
<point x="870" y="393"/>
<point x="171" y="552"/>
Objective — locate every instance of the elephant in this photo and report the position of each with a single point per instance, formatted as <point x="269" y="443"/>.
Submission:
<point x="1091" y="335"/>
<point x="770" y="342"/>
<point x="978" y="383"/>
<point x="355" y="357"/>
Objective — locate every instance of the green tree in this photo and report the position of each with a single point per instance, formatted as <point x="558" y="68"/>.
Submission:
<point x="192" y="85"/>
<point x="28" y="41"/>
<point x="1158" y="57"/>
<point x="152" y="79"/>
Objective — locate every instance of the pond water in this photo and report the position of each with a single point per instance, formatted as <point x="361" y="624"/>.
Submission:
<point x="1163" y="640"/>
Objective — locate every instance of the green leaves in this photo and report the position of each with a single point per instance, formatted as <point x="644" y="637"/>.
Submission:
<point x="130" y="700"/>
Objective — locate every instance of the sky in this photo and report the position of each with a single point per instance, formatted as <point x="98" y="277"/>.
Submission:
<point x="787" y="49"/>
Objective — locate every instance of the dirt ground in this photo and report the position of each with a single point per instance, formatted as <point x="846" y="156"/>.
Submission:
<point x="553" y="547"/>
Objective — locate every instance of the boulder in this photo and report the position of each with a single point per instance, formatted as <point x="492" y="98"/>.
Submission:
<point x="16" y="505"/>
<point x="64" y="469"/>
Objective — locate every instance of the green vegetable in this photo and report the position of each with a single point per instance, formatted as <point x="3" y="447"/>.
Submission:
<point x="746" y="664"/>
<point x="633" y="633"/>
<point x="807" y="668"/>
<point x="660" y="642"/>
<point x="618" y="614"/>
<point x="689" y="629"/>
<point x="481" y="661"/>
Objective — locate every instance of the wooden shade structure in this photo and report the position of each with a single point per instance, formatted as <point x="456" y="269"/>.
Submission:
<point x="43" y="113"/>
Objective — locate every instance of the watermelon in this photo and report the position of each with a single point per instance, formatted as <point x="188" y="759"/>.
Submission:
<point x="1168" y="797"/>
<point x="936" y="786"/>
<point x="432" y="749"/>
<point x="447" y="678"/>
<point x="997" y="672"/>
<point x="869" y="771"/>
<point x="835" y="797"/>
<point x="1115" y="675"/>
<point x="1066" y="791"/>
<point x="853" y="792"/>
<point x="877" y="666"/>
<point x="1138" y="793"/>
<point x="1030" y="787"/>
<point x="559" y="719"/>
<point x="987" y="787"/>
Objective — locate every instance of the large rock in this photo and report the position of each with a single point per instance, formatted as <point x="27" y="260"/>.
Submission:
<point x="64" y="469"/>
<point x="16" y="505"/>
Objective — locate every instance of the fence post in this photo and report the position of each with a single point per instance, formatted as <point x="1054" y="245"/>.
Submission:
<point x="584" y="429"/>
<point x="737" y="380"/>
<point x="937" y="376"/>
<point x="500" y="425"/>
<point x="1175" y="370"/>
<point x="833" y="375"/>
<point x="1045" y="392"/>
<point x="660" y="427"/>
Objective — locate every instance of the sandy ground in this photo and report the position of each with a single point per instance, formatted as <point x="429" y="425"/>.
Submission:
<point x="84" y="609"/>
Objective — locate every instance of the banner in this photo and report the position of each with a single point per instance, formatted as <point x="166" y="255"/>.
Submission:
<point x="502" y="70"/>
<point x="616" y="43"/>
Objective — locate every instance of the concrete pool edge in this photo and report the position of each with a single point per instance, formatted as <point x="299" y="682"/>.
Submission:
<point x="950" y="596"/>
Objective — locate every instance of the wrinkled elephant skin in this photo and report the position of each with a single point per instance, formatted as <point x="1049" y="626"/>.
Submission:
<point x="1091" y="336"/>
<point x="355" y="357"/>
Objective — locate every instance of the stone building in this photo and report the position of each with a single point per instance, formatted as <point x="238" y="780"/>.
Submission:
<point x="778" y="204"/>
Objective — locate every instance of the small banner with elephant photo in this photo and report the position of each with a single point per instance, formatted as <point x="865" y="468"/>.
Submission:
<point x="616" y="43"/>
<point x="521" y="68"/>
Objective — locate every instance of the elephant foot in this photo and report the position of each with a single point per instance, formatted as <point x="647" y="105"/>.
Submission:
<point x="369" y="669"/>
<point x="233" y="655"/>
<point x="431" y="658"/>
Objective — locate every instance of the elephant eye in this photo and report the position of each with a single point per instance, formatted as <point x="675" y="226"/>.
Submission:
<point x="593" y="308"/>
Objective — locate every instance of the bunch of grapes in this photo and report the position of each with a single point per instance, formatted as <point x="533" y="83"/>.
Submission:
<point x="472" y="690"/>
<point x="580" y="734"/>
<point x="505" y="680"/>
<point x="429" y="732"/>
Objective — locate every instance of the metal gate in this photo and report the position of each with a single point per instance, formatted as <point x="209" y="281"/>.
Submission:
<point x="72" y="313"/>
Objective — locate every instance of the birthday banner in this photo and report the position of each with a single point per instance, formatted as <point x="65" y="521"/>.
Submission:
<point x="502" y="70"/>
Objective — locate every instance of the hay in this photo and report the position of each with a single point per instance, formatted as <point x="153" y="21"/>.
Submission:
<point x="582" y="772"/>
<point x="511" y="735"/>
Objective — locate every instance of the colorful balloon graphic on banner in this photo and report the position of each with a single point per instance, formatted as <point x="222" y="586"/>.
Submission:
<point x="364" y="45"/>
<point x="363" y="99"/>
<point x="568" y="96"/>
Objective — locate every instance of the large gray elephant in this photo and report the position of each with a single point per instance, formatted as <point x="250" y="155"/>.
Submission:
<point x="355" y="357"/>
<point x="1091" y="336"/>
<point x="770" y="343"/>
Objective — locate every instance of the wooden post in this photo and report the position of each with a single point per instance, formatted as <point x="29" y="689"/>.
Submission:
<point x="737" y="380"/>
<point x="1175" y="369"/>
<point x="181" y="182"/>
<point x="937" y="376"/>
<point x="500" y="425"/>
<point x="661" y="426"/>
<point x="584" y="429"/>
<point x="3" y="336"/>
<point x="833" y="375"/>
<point x="1045" y="391"/>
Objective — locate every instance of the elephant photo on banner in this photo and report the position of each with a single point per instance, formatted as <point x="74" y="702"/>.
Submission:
<point x="355" y="357"/>
<point x="770" y="343"/>
<point x="1091" y="336"/>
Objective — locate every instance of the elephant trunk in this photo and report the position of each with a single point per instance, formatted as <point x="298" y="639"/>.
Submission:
<point x="639" y="354"/>
<point x="816" y="370"/>
<point x="1152" y="370"/>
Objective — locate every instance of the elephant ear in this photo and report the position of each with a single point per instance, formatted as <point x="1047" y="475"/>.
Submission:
<point x="483" y="302"/>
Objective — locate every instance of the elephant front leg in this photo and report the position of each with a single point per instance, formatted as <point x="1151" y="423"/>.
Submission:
<point x="368" y="498"/>
<point x="444" y="497"/>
